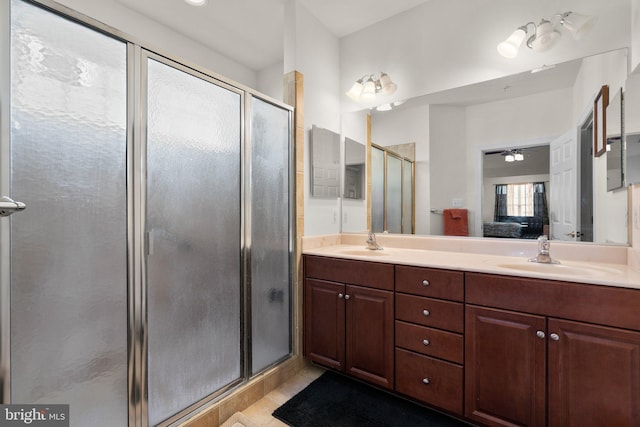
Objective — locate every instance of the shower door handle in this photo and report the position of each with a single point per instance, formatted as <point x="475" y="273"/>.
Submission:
<point x="8" y="206"/>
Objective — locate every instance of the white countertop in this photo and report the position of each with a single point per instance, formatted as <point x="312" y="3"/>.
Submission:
<point x="598" y="273"/>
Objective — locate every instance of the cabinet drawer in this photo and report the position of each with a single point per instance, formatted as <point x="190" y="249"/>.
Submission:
<point x="365" y="273"/>
<point x="430" y="282"/>
<point x="432" y="342"/>
<point x="429" y="380"/>
<point x="430" y="312"/>
<point x="605" y="305"/>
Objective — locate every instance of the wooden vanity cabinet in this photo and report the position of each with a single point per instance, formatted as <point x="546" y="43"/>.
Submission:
<point x="348" y="317"/>
<point x="429" y="336"/>
<point x="534" y="356"/>
<point x="594" y="375"/>
<point x="506" y="368"/>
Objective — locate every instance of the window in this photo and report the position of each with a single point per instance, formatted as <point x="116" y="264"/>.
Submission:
<point x="520" y="199"/>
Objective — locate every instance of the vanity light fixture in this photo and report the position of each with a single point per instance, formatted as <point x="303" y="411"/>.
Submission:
<point x="367" y="87"/>
<point x="546" y="34"/>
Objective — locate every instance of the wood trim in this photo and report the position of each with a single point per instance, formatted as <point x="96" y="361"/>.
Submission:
<point x="369" y="184"/>
<point x="293" y="94"/>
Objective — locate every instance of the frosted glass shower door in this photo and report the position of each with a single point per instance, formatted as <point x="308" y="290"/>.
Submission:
<point x="270" y="238"/>
<point x="193" y="238"/>
<point x="377" y="190"/>
<point x="393" y="194"/>
<point x="69" y="247"/>
<point x="407" y="197"/>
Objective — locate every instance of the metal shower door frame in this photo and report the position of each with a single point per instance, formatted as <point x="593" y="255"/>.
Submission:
<point x="137" y="52"/>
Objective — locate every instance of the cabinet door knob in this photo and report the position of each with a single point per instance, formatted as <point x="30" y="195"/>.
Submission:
<point x="425" y="282"/>
<point x="347" y="296"/>
<point x="540" y="334"/>
<point x="425" y="342"/>
<point x="425" y="381"/>
<point x="426" y="312"/>
<point x="340" y="296"/>
<point x="554" y="337"/>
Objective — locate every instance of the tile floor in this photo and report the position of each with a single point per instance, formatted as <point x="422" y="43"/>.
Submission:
<point x="259" y="414"/>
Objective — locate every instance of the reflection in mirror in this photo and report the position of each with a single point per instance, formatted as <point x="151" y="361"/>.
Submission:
<point x="517" y="179"/>
<point x="615" y="149"/>
<point x="325" y="163"/>
<point x="354" y="169"/>
<point x="453" y="129"/>
<point x="632" y="129"/>
<point x="392" y="190"/>
<point x="377" y="190"/>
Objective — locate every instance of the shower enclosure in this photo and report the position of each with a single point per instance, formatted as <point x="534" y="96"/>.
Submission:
<point x="151" y="269"/>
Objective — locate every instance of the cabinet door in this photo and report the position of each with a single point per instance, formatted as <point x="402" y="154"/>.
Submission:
<point x="594" y="375"/>
<point x="505" y="367"/>
<point x="369" y="335"/>
<point x="324" y="323"/>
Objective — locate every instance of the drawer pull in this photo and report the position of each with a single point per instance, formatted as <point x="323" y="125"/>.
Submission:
<point x="540" y="334"/>
<point x="554" y="337"/>
<point x="340" y="296"/>
<point x="425" y="381"/>
<point x="425" y="342"/>
<point x="426" y="312"/>
<point x="347" y="296"/>
<point x="425" y="282"/>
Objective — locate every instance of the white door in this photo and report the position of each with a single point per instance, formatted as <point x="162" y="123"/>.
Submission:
<point x="563" y="171"/>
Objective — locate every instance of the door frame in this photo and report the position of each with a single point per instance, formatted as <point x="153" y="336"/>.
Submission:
<point x="5" y="133"/>
<point x="475" y="187"/>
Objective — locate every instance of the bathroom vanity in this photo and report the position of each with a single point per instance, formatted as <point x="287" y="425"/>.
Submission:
<point x="496" y="346"/>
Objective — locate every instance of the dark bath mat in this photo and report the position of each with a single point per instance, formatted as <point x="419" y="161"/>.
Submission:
<point x="334" y="400"/>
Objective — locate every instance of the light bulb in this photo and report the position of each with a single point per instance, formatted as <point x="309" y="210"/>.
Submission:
<point x="369" y="90"/>
<point x="509" y="47"/>
<point x="355" y="91"/>
<point x="546" y="37"/>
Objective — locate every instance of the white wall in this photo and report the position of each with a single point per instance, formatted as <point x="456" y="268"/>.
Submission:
<point x="610" y="207"/>
<point x="313" y="51"/>
<point x="635" y="34"/>
<point x="354" y="212"/>
<point x="404" y="126"/>
<point x="162" y="39"/>
<point x="448" y="156"/>
<point x="270" y="81"/>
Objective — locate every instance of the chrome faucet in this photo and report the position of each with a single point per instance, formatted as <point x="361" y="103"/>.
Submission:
<point x="372" y="244"/>
<point x="543" y="256"/>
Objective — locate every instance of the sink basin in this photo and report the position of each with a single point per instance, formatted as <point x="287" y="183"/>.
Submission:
<point x="363" y="252"/>
<point x="569" y="270"/>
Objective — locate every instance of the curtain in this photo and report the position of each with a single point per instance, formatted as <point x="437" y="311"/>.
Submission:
<point x="500" y="209"/>
<point x="540" y="202"/>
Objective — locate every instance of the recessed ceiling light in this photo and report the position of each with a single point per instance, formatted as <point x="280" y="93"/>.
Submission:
<point x="196" y="2"/>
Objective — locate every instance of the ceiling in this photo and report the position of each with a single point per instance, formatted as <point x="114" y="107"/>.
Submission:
<point x="536" y="162"/>
<point x="251" y="32"/>
<point x="559" y="76"/>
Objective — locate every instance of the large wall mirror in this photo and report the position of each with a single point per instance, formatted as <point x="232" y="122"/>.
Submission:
<point x="545" y="120"/>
